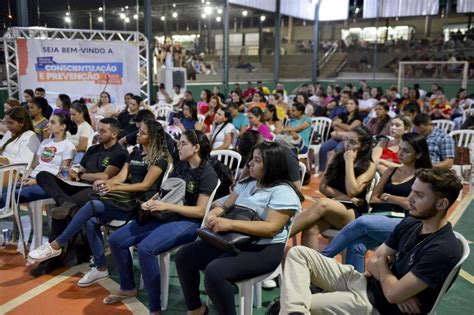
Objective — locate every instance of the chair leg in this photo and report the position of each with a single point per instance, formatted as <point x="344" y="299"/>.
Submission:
<point x="36" y="209"/>
<point x="165" y="278"/>
<point x="246" y="298"/>
<point x="16" y="214"/>
<point x="257" y="288"/>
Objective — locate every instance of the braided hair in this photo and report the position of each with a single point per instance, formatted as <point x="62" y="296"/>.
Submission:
<point x="158" y="148"/>
<point x="196" y="137"/>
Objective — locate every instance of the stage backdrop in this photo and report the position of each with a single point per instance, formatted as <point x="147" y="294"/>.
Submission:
<point x="79" y="68"/>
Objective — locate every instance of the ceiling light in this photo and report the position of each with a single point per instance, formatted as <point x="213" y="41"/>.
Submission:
<point x="174" y="5"/>
<point x="175" y="14"/>
<point x="163" y="17"/>
<point x="127" y="20"/>
<point x="218" y="19"/>
<point x="67" y="19"/>
<point x="204" y="15"/>
<point x="122" y="16"/>
<point x="208" y="10"/>
<point x="219" y="11"/>
<point x="135" y="16"/>
<point x="100" y="19"/>
<point x="262" y="18"/>
<point x="245" y="12"/>
<point x="67" y="13"/>
<point x="126" y="7"/>
<point x="100" y="9"/>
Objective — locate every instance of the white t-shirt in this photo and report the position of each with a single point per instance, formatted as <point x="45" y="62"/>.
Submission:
<point x="219" y="137"/>
<point x="83" y="130"/>
<point x="367" y="104"/>
<point x="23" y="149"/>
<point x="51" y="154"/>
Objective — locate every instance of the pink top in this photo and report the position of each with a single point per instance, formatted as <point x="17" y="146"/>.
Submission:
<point x="264" y="131"/>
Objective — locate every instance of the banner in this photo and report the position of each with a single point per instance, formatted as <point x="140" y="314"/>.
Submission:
<point x="79" y="68"/>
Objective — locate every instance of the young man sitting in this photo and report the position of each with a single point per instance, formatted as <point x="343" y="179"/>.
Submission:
<point x="404" y="275"/>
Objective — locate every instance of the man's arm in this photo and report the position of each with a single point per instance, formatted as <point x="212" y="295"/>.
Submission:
<point x="382" y="250"/>
<point x="447" y="163"/>
<point x="109" y="172"/>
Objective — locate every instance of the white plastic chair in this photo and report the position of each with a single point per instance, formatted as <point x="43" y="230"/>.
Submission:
<point x="305" y="156"/>
<point x="163" y="111"/>
<point x="463" y="137"/>
<point x="450" y="278"/>
<point x="302" y="172"/>
<point x="201" y="118"/>
<point x="468" y="112"/>
<point x="164" y="259"/>
<point x="13" y="174"/>
<point x="444" y="124"/>
<point x="321" y="125"/>
<point x="229" y="157"/>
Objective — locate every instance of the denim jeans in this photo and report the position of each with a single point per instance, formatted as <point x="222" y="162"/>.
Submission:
<point x="152" y="238"/>
<point x="28" y="194"/>
<point x="364" y="233"/>
<point x="91" y="216"/>
<point x="327" y="146"/>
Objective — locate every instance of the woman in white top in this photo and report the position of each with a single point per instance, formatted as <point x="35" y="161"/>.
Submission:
<point x="104" y="108"/>
<point x="222" y="130"/>
<point x="51" y="155"/>
<point x="20" y="143"/>
<point x="81" y="129"/>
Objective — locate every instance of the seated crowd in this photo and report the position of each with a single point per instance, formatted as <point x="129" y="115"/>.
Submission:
<point x="384" y="173"/>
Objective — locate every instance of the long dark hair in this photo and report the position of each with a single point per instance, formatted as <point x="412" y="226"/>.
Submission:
<point x="20" y="115"/>
<point x="275" y="166"/>
<point x="65" y="100"/>
<point x="196" y="137"/>
<point x="381" y="125"/>
<point x="80" y="107"/>
<point x="272" y="109"/>
<point x="418" y="143"/>
<point x="64" y="120"/>
<point x="192" y="108"/>
<point x="257" y="112"/>
<point x="158" y="148"/>
<point x="336" y="173"/>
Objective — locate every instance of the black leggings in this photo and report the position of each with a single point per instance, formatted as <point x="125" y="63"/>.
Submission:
<point x="222" y="270"/>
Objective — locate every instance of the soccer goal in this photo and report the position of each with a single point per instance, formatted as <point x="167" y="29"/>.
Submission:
<point x="440" y="72"/>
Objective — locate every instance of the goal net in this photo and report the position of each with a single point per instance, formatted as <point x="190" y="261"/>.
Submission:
<point x="439" y="72"/>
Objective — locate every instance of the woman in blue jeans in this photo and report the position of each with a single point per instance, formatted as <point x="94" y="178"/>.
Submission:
<point x="342" y="124"/>
<point x="52" y="154"/>
<point x="145" y="168"/>
<point x="369" y="231"/>
<point x="155" y="237"/>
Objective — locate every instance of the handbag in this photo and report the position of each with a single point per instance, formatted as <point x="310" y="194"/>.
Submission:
<point x="122" y="200"/>
<point x="173" y="190"/>
<point x="461" y="156"/>
<point x="231" y="241"/>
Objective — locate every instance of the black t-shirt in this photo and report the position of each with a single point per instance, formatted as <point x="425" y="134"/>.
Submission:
<point x="207" y="181"/>
<point x="293" y="164"/>
<point x="138" y="170"/>
<point x="125" y="125"/>
<point x="97" y="158"/>
<point x="429" y="257"/>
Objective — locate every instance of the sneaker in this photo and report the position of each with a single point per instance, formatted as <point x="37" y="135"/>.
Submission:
<point x="92" y="276"/>
<point x="44" y="252"/>
<point x="269" y="284"/>
<point x="65" y="210"/>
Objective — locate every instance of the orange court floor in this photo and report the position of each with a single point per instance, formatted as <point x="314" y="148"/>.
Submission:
<point x="58" y="293"/>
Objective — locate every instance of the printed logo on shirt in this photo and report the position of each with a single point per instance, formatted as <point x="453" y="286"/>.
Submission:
<point x="106" y="161"/>
<point x="48" y="154"/>
<point x="137" y="163"/>
<point x="191" y="186"/>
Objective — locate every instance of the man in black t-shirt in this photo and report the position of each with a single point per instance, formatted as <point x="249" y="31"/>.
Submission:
<point x="101" y="161"/>
<point x="405" y="274"/>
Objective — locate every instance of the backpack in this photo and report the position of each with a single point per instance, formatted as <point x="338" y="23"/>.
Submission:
<point x="173" y="190"/>
<point x="225" y="176"/>
<point x="76" y="251"/>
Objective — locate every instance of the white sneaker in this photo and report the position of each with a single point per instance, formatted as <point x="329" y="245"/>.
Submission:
<point x="92" y="276"/>
<point x="269" y="284"/>
<point x="44" y="252"/>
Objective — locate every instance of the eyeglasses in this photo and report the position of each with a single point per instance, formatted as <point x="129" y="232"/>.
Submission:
<point x="181" y="144"/>
<point x="351" y="141"/>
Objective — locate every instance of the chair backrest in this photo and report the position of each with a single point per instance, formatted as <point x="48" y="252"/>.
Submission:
<point x="454" y="272"/>
<point x="372" y="185"/>
<point x="229" y="157"/>
<point x="443" y="124"/>
<point x="163" y="111"/>
<point x="468" y="112"/>
<point x="209" y="203"/>
<point x="322" y="125"/>
<point x="302" y="172"/>
<point x="13" y="174"/>
<point x="201" y="118"/>
<point x="463" y="137"/>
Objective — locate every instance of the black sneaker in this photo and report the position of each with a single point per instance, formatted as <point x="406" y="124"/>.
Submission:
<point x="46" y="267"/>
<point x="274" y="308"/>
<point x="65" y="210"/>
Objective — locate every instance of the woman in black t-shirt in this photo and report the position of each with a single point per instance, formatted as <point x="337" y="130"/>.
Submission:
<point x="126" y="116"/>
<point x="155" y="237"/>
<point x="145" y="167"/>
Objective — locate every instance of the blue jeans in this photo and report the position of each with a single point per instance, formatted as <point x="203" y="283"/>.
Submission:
<point x="28" y="194"/>
<point x="364" y="233"/>
<point x="92" y="218"/>
<point x="327" y="146"/>
<point x="152" y="238"/>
